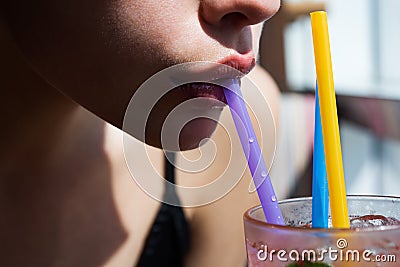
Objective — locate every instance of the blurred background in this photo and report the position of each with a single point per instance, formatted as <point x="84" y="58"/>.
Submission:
<point x="365" y="47"/>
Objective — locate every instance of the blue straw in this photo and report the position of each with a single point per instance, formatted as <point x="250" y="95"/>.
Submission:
<point x="320" y="201"/>
<point x="250" y="144"/>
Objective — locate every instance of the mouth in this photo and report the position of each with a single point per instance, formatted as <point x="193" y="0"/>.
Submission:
<point x="206" y="90"/>
<point x="203" y="78"/>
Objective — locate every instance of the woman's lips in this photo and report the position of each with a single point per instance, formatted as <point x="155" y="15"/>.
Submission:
<point x="241" y="62"/>
<point x="238" y="66"/>
<point x="201" y="89"/>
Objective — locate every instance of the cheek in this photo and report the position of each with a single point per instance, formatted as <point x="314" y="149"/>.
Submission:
<point x="164" y="32"/>
<point x="152" y="28"/>
<point x="84" y="50"/>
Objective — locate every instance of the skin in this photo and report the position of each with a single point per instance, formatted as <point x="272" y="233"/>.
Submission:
<point x="98" y="53"/>
<point x="68" y="70"/>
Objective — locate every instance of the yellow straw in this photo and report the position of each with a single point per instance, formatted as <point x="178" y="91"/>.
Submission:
<point x="329" y="121"/>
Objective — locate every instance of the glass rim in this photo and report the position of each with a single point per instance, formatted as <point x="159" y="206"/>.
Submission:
<point x="249" y="218"/>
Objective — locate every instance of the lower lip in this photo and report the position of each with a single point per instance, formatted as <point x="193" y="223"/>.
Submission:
<point x="205" y="90"/>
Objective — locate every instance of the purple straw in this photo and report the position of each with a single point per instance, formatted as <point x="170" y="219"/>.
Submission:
<point x="255" y="159"/>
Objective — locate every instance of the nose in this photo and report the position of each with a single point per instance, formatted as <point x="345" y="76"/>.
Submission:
<point x="240" y="13"/>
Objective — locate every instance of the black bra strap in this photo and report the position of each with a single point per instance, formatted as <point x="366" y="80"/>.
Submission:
<point x="169" y="166"/>
<point x="168" y="240"/>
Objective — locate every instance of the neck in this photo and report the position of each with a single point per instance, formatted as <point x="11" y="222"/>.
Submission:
<point x="36" y="118"/>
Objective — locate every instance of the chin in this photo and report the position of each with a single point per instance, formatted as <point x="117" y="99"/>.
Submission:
<point x="194" y="133"/>
<point x="184" y="124"/>
<point x="190" y="136"/>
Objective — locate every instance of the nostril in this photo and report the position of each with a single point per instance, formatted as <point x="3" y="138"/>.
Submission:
<point x="235" y="18"/>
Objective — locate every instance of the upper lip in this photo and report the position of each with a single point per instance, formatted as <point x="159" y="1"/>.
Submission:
<point x="241" y="62"/>
<point x="234" y="66"/>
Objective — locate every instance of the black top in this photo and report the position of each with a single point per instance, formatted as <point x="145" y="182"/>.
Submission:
<point x="168" y="240"/>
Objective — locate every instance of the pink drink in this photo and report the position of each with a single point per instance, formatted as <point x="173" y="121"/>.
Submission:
<point x="374" y="240"/>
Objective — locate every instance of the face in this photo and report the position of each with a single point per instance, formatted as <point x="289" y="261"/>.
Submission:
<point x="98" y="52"/>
